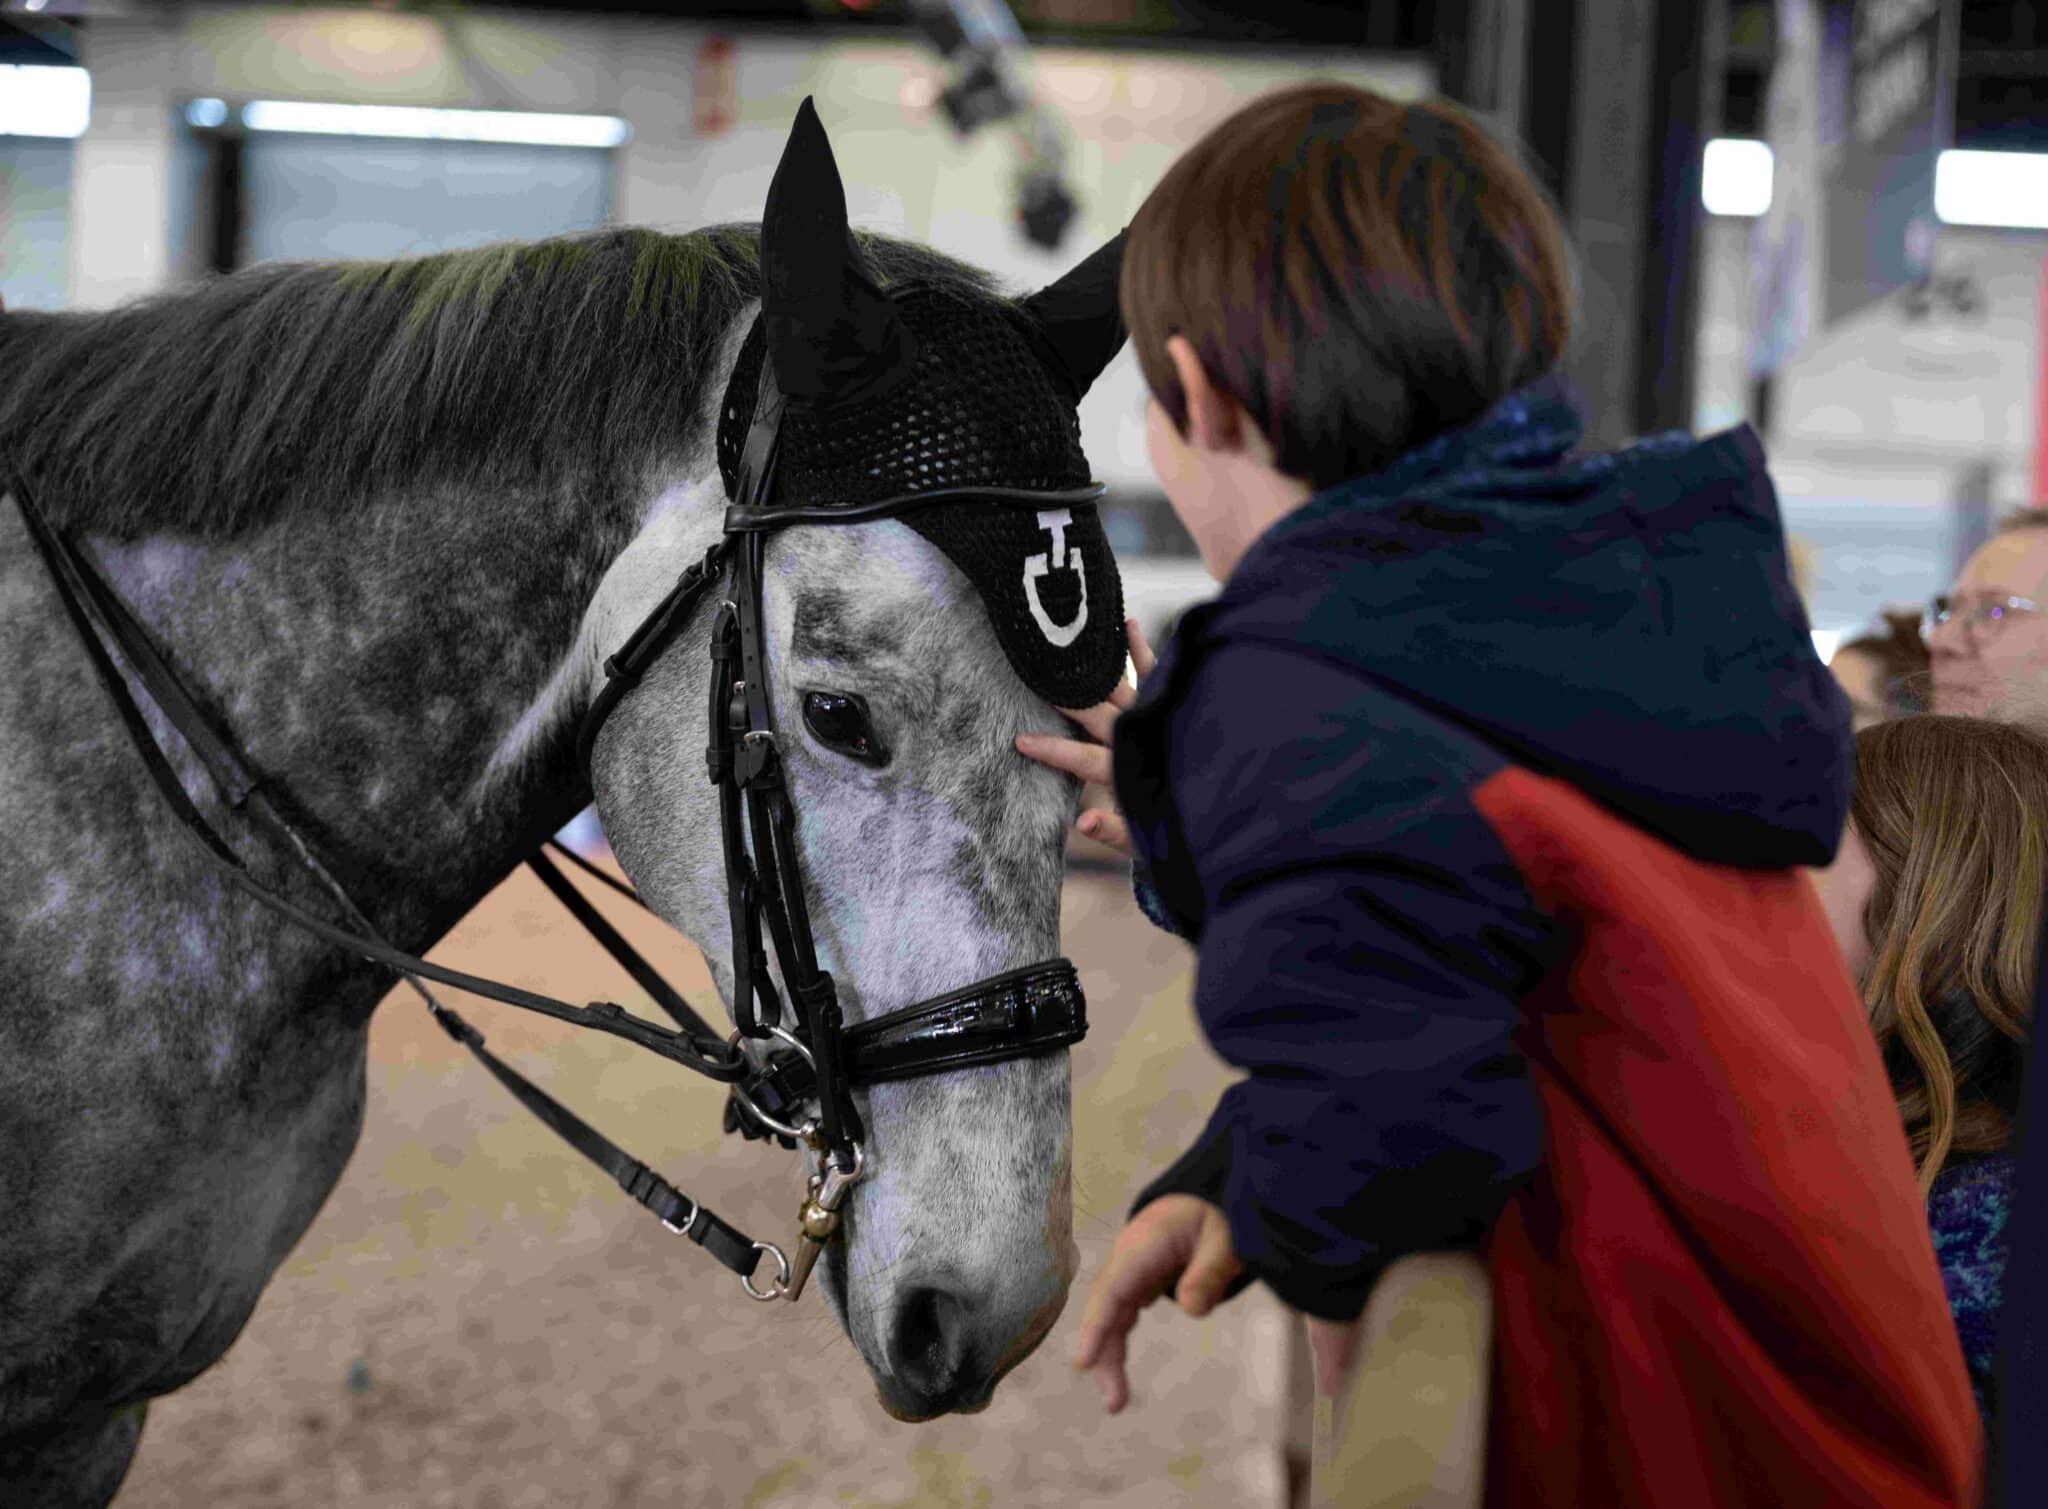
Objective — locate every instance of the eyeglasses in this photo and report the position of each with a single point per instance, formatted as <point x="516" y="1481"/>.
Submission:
<point x="1983" y="618"/>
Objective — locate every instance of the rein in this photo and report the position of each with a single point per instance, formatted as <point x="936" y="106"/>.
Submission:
<point x="813" y="1060"/>
<point x="96" y="610"/>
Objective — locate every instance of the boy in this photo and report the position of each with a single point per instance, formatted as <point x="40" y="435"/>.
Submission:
<point x="1481" y="790"/>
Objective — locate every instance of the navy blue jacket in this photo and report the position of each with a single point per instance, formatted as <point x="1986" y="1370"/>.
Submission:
<point x="1299" y="770"/>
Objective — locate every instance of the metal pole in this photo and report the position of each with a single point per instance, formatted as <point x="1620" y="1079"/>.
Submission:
<point x="1685" y="101"/>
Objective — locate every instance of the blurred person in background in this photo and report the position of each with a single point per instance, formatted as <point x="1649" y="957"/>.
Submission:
<point x="1988" y="641"/>
<point x="1481" y="790"/>
<point x="1936" y="900"/>
<point x="1884" y="674"/>
<point x="1987" y="637"/>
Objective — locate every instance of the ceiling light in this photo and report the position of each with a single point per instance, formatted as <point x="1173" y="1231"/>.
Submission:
<point x="417" y="123"/>
<point x="1992" y="188"/>
<point x="1735" y="177"/>
<point x="41" y="101"/>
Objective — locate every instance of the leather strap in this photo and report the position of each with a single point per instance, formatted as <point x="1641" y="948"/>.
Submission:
<point x="676" y="1210"/>
<point x="1027" y="1011"/>
<point x="630" y="959"/>
<point x="623" y="670"/>
<point x="773" y="888"/>
<point x="754" y="518"/>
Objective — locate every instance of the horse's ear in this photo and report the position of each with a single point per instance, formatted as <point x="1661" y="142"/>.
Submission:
<point x="1078" y="320"/>
<point x="832" y="334"/>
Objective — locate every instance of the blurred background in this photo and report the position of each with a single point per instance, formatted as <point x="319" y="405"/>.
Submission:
<point x="1826" y="218"/>
<point x="1831" y="228"/>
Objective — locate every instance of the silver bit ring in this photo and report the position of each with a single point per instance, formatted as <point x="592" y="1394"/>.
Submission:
<point x="781" y="1278"/>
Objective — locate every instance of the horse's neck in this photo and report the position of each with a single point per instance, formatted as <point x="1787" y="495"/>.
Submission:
<point x="405" y="680"/>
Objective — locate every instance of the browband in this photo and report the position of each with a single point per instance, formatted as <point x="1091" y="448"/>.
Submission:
<point x="743" y="520"/>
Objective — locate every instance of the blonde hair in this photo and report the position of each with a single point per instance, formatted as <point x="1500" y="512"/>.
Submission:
<point x="1954" y="813"/>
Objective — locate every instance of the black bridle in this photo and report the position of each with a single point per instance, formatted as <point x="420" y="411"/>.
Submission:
<point x="817" y="1059"/>
<point x="776" y="1071"/>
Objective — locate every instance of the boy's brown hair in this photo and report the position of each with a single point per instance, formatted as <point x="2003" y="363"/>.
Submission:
<point x="1357" y="273"/>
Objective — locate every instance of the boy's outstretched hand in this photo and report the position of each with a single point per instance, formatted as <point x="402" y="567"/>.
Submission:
<point x="1177" y="1242"/>
<point x="1181" y="1243"/>
<point x="1089" y="758"/>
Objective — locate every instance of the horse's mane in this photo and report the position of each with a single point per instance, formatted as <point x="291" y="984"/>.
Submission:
<point x="576" y="361"/>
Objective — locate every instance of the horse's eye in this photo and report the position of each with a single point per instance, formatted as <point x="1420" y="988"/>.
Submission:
<point x="839" y="721"/>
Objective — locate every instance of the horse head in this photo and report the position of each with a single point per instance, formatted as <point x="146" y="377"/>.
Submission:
<point x="964" y="582"/>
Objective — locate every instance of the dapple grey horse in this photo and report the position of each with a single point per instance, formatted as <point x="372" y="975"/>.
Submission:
<point x="388" y="519"/>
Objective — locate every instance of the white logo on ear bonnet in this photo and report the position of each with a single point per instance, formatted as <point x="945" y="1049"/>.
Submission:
<point x="1059" y="635"/>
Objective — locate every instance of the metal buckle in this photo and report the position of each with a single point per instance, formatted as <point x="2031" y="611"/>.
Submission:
<point x="781" y="1278"/>
<point x="754" y="755"/>
<point x="684" y="1229"/>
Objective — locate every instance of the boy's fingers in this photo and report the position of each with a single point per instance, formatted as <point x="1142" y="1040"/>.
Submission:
<point x="1142" y="659"/>
<point x="1131" y="1280"/>
<point x="1111" y="1378"/>
<point x="1090" y="762"/>
<point x="1106" y="827"/>
<point x="1097" y="720"/>
<point x="1148" y="1253"/>
<point x="1210" y="1270"/>
<point x="1141" y="1266"/>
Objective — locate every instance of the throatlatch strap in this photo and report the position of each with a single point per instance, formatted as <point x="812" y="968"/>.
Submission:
<point x="77" y="584"/>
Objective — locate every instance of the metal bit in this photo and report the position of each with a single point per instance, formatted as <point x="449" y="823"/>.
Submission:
<point x="817" y="1223"/>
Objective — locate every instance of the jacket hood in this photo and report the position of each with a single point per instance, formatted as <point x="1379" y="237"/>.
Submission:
<point x="1623" y="621"/>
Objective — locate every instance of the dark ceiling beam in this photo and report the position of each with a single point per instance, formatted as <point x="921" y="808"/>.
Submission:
<point x="31" y="40"/>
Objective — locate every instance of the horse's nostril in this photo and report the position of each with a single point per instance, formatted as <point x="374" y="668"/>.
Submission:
<point x="928" y="1345"/>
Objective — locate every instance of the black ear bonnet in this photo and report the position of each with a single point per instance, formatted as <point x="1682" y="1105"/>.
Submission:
<point x="977" y="411"/>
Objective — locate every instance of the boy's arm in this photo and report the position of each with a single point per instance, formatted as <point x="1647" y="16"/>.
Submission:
<point x="1367" y="945"/>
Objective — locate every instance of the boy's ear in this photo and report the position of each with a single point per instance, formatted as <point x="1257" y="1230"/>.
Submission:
<point x="1215" y="422"/>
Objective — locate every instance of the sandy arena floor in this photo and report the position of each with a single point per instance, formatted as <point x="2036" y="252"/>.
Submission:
<point x="478" y="1318"/>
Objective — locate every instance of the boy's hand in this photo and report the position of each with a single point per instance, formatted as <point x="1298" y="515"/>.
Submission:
<point x="1089" y="759"/>
<point x="1177" y="1242"/>
<point x="1180" y="1243"/>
